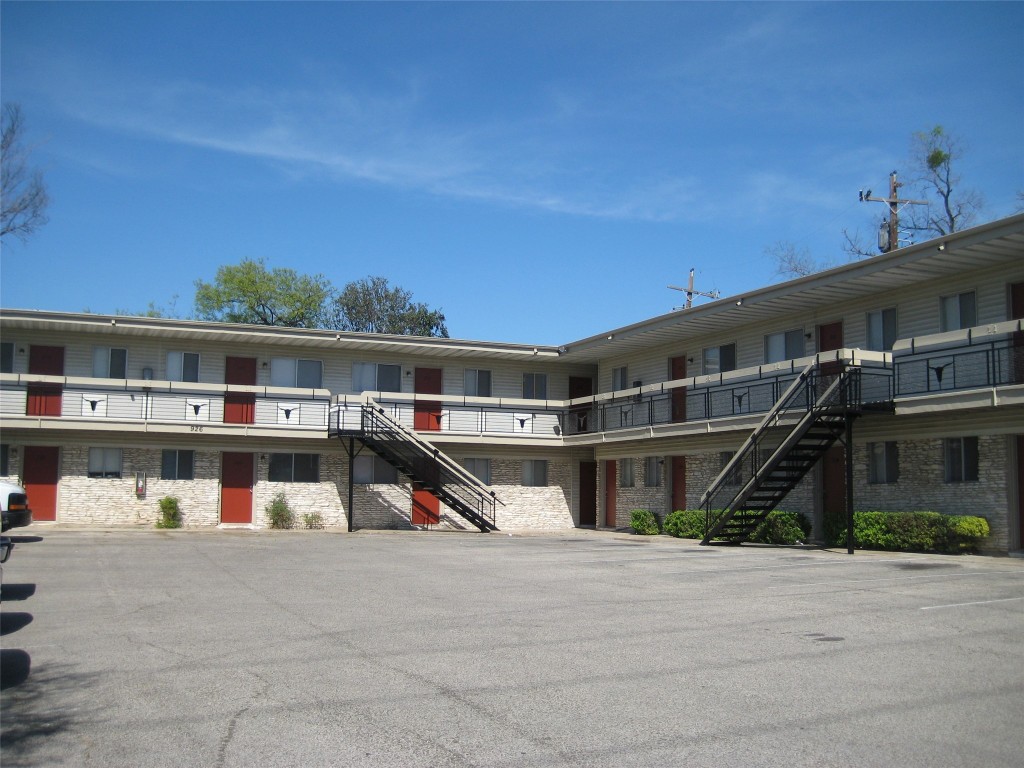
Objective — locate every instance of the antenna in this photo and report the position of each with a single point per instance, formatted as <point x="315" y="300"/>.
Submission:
<point x="690" y="292"/>
<point x="889" y="232"/>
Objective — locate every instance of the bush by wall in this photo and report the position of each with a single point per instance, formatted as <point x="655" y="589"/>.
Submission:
<point x="779" y="527"/>
<point x="279" y="513"/>
<point x="685" y="524"/>
<point x="916" y="532"/>
<point x="170" y="513"/>
<point x="644" y="522"/>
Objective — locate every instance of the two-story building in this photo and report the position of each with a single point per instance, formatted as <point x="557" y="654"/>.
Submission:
<point x="923" y="347"/>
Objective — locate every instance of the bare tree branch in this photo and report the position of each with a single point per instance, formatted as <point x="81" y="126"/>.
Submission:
<point x="23" y="196"/>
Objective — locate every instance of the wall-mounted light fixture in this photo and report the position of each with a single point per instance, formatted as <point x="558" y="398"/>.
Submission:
<point x="264" y="363"/>
<point x="689" y="359"/>
<point x="739" y="302"/>
<point x="21" y="350"/>
<point x="808" y="335"/>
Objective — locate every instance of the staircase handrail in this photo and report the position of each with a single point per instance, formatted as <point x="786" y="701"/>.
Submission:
<point x="428" y="448"/>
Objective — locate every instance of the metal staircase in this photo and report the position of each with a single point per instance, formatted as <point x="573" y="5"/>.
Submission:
<point x="426" y="465"/>
<point x="828" y="402"/>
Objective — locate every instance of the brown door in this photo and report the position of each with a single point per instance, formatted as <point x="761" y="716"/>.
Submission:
<point x="426" y="509"/>
<point x="427" y="413"/>
<point x="1017" y="313"/>
<point x="236" y="481"/>
<point x="609" y="493"/>
<point x="833" y="492"/>
<point x="40" y="471"/>
<point x="677" y="370"/>
<point x="580" y="386"/>
<point x="588" y="493"/>
<point x="678" y="470"/>
<point x="830" y="337"/>
<point x="240" y="407"/>
<point x="45" y="399"/>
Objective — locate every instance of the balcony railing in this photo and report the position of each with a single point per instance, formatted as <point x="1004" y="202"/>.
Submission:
<point x="947" y="366"/>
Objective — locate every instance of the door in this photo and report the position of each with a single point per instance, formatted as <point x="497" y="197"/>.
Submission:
<point x="236" y="481"/>
<point x="45" y="399"/>
<point x="830" y="337"/>
<point x="240" y="407"/>
<point x="833" y="494"/>
<point x="677" y="370"/>
<point x="588" y="494"/>
<point x="609" y="493"/>
<point x="678" y="480"/>
<point x="427" y="413"/>
<point x="1017" y="313"/>
<point x="40" y="470"/>
<point x="426" y="508"/>
<point x="579" y="415"/>
<point x="1020" y="491"/>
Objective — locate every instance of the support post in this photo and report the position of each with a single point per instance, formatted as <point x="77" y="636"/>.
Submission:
<point x="351" y="483"/>
<point x="848" y="439"/>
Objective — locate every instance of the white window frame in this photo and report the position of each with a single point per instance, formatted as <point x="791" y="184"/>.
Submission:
<point x="535" y="473"/>
<point x="883" y="462"/>
<point x="177" y="464"/>
<point x="176" y="365"/>
<point x="881" y="329"/>
<point x="620" y="378"/>
<point x="479" y="468"/>
<point x="711" y="359"/>
<point x="535" y="386"/>
<point x="7" y="357"/>
<point x="106" y="359"/>
<point x="784" y="345"/>
<point x="296" y="372"/>
<point x="954" y="307"/>
<point x="478" y="382"/>
<point x="105" y="463"/>
<point x="370" y="469"/>
<point x="652" y="472"/>
<point x="373" y="377"/>
<point x="627" y="472"/>
<point x="961" y="459"/>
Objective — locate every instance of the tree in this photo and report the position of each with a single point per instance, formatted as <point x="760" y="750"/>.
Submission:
<point x="249" y="293"/>
<point x="23" y="196"/>
<point x="934" y="159"/>
<point x="372" y="305"/>
<point x="791" y="261"/>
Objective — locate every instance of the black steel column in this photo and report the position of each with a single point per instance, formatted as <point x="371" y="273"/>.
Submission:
<point x="351" y="494"/>
<point x="849" y="483"/>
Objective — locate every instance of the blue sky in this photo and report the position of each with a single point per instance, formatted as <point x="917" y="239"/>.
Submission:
<point x="538" y="171"/>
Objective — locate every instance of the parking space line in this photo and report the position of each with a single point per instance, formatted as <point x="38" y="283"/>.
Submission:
<point x="979" y="602"/>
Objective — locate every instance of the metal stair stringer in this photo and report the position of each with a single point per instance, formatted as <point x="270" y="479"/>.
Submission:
<point x="773" y="478"/>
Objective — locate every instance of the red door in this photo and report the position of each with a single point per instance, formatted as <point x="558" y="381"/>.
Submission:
<point x="427" y="413"/>
<point x="240" y="407"/>
<point x="833" y="491"/>
<point x="236" y="483"/>
<point x="609" y="493"/>
<point x="40" y="471"/>
<point x="830" y="337"/>
<point x="1017" y="313"/>
<point x="426" y="509"/>
<point x="588" y="493"/>
<point x="677" y="370"/>
<point x="580" y="386"/>
<point x="45" y="399"/>
<point x="678" y="470"/>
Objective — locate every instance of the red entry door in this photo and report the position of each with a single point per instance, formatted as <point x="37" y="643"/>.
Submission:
<point x="236" y="483"/>
<point x="426" y="509"/>
<point x="580" y="386"/>
<point x="427" y="413"/>
<point x="40" y="470"/>
<point x="45" y="399"/>
<point x="1017" y="313"/>
<point x="240" y="407"/>
<point x="678" y="470"/>
<point x="677" y="370"/>
<point x="833" y="489"/>
<point x="830" y="337"/>
<point x="588" y="493"/>
<point x="609" y="493"/>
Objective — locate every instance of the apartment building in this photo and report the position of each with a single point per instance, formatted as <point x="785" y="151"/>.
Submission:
<point x="923" y="349"/>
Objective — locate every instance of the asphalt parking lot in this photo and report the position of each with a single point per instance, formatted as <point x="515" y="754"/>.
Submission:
<point x="230" y="648"/>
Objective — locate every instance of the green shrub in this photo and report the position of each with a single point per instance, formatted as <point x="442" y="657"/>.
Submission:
<point x="686" y="524"/>
<point x="170" y="514"/>
<point x="313" y="520"/>
<point x="914" y="532"/>
<point x="279" y="513"/>
<point x="965" y="532"/>
<point x="781" y="527"/>
<point x="643" y="522"/>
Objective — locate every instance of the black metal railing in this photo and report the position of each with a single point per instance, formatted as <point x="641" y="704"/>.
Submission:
<point x="984" y="364"/>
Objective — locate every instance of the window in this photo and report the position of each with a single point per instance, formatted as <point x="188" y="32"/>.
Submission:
<point x="480" y="469"/>
<point x="883" y="462"/>
<point x="7" y="357"/>
<point x="183" y="366"/>
<point x="535" y="472"/>
<point x="373" y="470"/>
<point x="881" y="329"/>
<point x="177" y="465"/>
<point x="108" y="363"/>
<point x="958" y="311"/>
<point x="294" y="468"/>
<point x="5" y="468"/>
<point x="626" y="478"/>
<point x="478" y="383"/>
<point x="376" y="377"/>
<point x="535" y="386"/>
<point x="734" y="477"/>
<point x="301" y="374"/>
<point x="785" y="345"/>
<point x="104" y="462"/>
<point x="620" y="378"/>
<point x="720" y="359"/>
<point x="652" y="472"/>
<point x="961" y="459"/>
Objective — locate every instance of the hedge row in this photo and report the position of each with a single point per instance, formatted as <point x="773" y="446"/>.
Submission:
<point x="893" y="531"/>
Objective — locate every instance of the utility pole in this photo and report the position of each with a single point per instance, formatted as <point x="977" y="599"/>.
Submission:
<point x="690" y="292"/>
<point x="889" y="233"/>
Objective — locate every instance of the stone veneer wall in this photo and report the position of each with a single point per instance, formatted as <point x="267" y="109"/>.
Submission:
<point x="324" y="497"/>
<point x="654" y="498"/>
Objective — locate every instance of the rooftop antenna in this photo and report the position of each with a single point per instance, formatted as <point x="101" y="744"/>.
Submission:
<point x="889" y="231"/>
<point x="690" y="293"/>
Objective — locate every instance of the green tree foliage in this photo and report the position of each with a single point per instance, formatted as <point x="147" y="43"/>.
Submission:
<point x="250" y="293"/>
<point x="23" y="196"/>
<point x="372" y="305"/>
